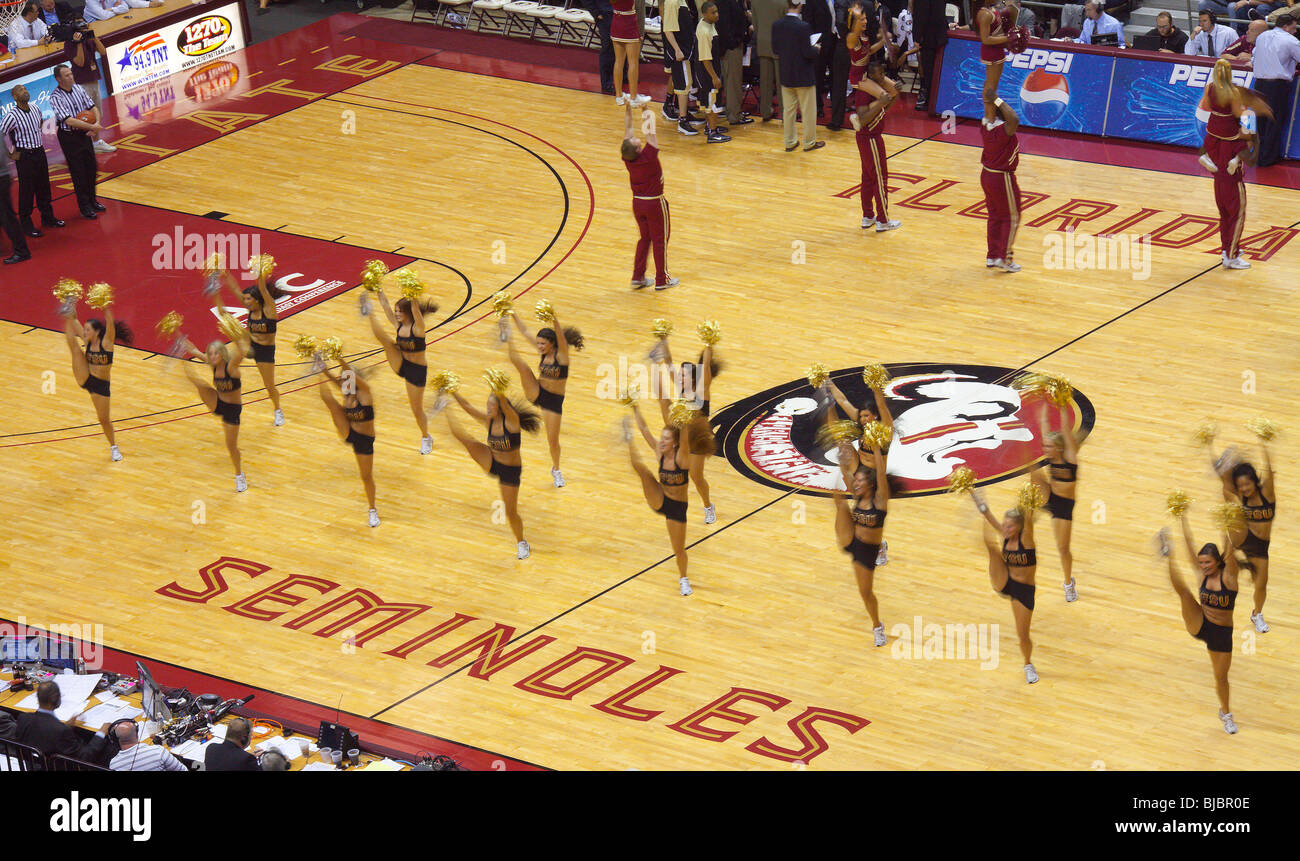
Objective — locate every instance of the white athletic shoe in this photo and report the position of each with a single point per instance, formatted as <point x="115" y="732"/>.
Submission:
<point x="522" y="550"/>
<point x="882" y="226"/>
<point x="439" y="404"/>
<point x="363" y="304"/>
<point x="426" y="445"/>
<point x="878" y="633"/>
<point x="644" y="282"/>
<point x="1229" y="725"/>
<point x="374" y="518"/>
<point x="241" y="483"/>
<point x="104" y="146"/>
<point x="1071" y="593"/>
<point x="671" y="282"/>
<point x="1162" y="542"/>
<point x="557" y="478"/>
<point x="627" y="429"/>
<point x="1234" y="164"/>
<point x="1237" y="262"/>
<point x="621" y="100"/>
<point x="1031" y="675"/>
<point x="1260" y="624"/>
<point x="992" y="262"/>
<point x="882" y="558"/>
<point x="684" y="585"/>
<point x="115" y="453"/>
<point x="855" y="121"/>
<point x="1208" y="163"/>
<point x="1008" y="266"/>
<point x="641" y="99"/>
<point x="279" y="418"/>
<point x="710" y="514"/>
<point x="867" y="221"/>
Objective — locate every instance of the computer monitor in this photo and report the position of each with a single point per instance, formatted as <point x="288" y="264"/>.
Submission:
<point x="1105" y="40"/>
<point x="152" y="700"/>
<point x="35" y="648"/>
<point x="1146" y="43"/>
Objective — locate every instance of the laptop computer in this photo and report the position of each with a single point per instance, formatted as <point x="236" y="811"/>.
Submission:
<point x="1146" y="43"/>
<point x="1105" y="40"/>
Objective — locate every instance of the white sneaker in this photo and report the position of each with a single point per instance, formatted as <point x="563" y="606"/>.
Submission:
<point x="992" y="262"/>
<point x="104" y="146"/>
<point x="621" y="100"/>
<point x="644" y="282"/>
<point x="684" y="585"/>
<point x="878" y="633"/>
<point x="672" y="282"/>
<point x="557" y="478"/>
<point x="1162" y="542"/>
<point x="1071" y="593"/>
<point x="115" y="453"/>
<point x="1208" y="163"/>
<point x="627" y="429"/>
<point x="882" y="226"/>
<point x="1234" y="164"/>
<point x="522" y="550"/>
<point x="1031" y="675"/>
<point x="1229" y="725"/>
<point x="279" y="418"/>
<point x="1260" y="624"/>
<point x="363" y="304"/>
<point x="882" y="558"/>
<point x="641" y="99"/>
<point x="1237" y="262"/>
<point x="426" y="445"/>
<point x="710" y="515"/>
<point x="374" y="517"/>
<point x="855" y="121"/>
<point x="1008" y="266"/>
<point x="241" y="483"/>
<point x="867" y="221"/>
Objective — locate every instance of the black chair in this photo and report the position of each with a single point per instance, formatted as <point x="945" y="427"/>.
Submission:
<point x="59" y="762"/>
<point x="15" y="756"/>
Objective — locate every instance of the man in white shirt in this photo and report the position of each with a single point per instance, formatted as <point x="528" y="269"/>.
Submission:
<point x="1210" y="37"/>
<point x="1274" y="60"/>
<point x="27" y="29"/>
<point x="1099" y="23"/>
<point x="102" y="10"/>
<point x="135" y="756"/>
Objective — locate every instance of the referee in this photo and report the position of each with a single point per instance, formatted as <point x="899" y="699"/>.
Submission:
<point x="67" y="101"/>
<point x="21" y="126"/>
<point x="8" y="220"/>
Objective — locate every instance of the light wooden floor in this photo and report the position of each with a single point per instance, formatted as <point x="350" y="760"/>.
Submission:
<point x="775" y="608"/>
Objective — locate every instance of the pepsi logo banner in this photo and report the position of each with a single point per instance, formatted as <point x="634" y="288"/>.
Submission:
<point x="1156" y="101"/>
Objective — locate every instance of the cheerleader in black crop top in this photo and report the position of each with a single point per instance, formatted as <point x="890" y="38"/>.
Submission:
<point x="859" y="530"/>
<point x="223" y="396"/>
<point x="665" y="493"/>
<point x="1011" y="569"/>
<point x="405" y="351"/>
<point x="504" y="420"/>
<point x="1207" y="615"/>
<point x="354" y="419"/>
<point x="546" y="387"/>
<point x="1058" y="480"/>
<point x="1258" y="500"/>
<point x="92" y="366"/>
<point x="877" y="410"/>
<point x="259" y="301"/>
<point x="692" y="382"/>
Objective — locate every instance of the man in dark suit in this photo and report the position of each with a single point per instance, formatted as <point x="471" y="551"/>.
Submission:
<point x="55" y="11"/>
<point x="930" y="30"/>
<point x="796" y="53"/>
<point x="231" y="754"/>
<point x="830" y="18"/>
<point x="604" y="15"/>
<point x="45" y="732"/>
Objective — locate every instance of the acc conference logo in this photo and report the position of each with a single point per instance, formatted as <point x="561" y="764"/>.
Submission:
<point x="203" y="36"/>
<point x="945" y="416"/>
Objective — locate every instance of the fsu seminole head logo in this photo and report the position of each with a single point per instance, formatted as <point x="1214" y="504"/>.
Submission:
<point x="945" y="416"/>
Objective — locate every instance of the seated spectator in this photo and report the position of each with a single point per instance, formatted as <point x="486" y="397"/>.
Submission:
<point x="273" y="760"/>
<point x="1253" y="10"/>
<point x="102" y="10"/>
<point x="1242" y="48"/>
<point x="135" y="756"/>
<point x="1210" y="38"/>
<point x="8" y="726"/>
<point x="1025" y="16"/>
<point x="1292" y="8"/>
<point x="54" y="11"/>
<point x="231" y="754"/>
<point x="27" y="30"/>
<point x="1099" y="23"/>
<point x="45" y="732"/>
<point x="1172" y="40"/>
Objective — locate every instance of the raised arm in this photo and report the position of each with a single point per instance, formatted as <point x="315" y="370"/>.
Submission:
<point x="268" y="301"/>
<point x="110" y="329"/>
<point x="706" y="373"/>
<point x="1067" y="433"/>
<point x="357" y="379"/>
<point x="523" y="330"/>
<point x="561" y="342"/>
<point x="983" y="508"/>
<point x="1187" y="540"/>
<point x="844" y="402"/>
<point x="1009" y="116"/>
<point x="628" y="133"/>
<point x="1266" y="480"/>
<point x="473" y="412"/>
<point x="388" y="309"/>
<point x="882" y="408"/>
<point x="882" y="480"/>
<point x="642" y="426"/>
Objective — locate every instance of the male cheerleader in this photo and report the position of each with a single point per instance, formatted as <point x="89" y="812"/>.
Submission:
<point x="648" y="204"/>
<point x="998" y="178"/>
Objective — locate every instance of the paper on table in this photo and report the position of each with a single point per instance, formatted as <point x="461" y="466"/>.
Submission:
<point x="63" y="712"/>
<point x="319" y="766"/>
<point x="109" y="698"/>
<point x="219" y="732"/>
<point x="77" y="689"/>
<point x="384" y="764"/>
<point x="261" y="730"/>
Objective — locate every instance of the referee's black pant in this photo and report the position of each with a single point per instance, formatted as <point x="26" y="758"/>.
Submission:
<point x="33" y="185"/>
<point x="9" y="221"/>
<point x="79" y="151"/>
<point x="1273" y="91"/>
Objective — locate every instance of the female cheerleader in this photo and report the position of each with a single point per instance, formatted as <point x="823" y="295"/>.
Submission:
<point x="693" y="385"/>
<point x="546" y="387"/>
<point x="92" y="368"/>
<point x="1226" y="149"/>
<point x="500" y="457"/>
<point x="1257" y="497"/>
<point x="262" y="322"/>
<point x="993" y="40"/>
<point x="354" y="419"/>
<point x="223" y="396"/>
<point x="666" y="494"/>
<point x="857" y="458"/>
<point x="1209" y="619"/>
<point x="625" y="33"/>
<point x="872" y="95"/>
<point x="860" y="530"/>
<point x="1057" y="481"/>
<point x="405" y="352"/>
<point x="1011" y="569"/>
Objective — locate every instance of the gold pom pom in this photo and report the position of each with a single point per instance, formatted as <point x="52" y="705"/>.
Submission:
<point x="1229" y="515"/>
<point x="838" y="432"/>
<point x="629" y="396"/>
<point x="545" y="311"/>
<point x="214" y="264"/>
<point x="372" y="277"/>
<point x="875" y="376"/>
<point x="67" y="288"/>
<point x="170" y="324"/>
<point x="1177" y="503"/>
<point x="680" y="413"/>
<point x="261" y="264"/>
<point x="710" y="332"/>
<point x="1030" y="499"/>
<point x="100" y="296"/>
<point x="877" y="435"/>
<point x="412" y="286"/>
<point x="445" y="381"/>
<point x="305" y="346"/>
<point x="961" y="480"/>
<point x="332" y="349"/>
<point x="502" y="304"/>
<point x="230" y="327"/>
<point x="1054" y="387"/>
<point x="661" y="327"/>
<point x="498" y="380"/>
<point x="1206" y="433"/>
<point x="818" y="375"/>
<point x="1262" y="428"/>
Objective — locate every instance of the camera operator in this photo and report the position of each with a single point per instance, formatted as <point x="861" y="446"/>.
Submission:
<point x="79" y="49"/>
<point x="28" y="29"/>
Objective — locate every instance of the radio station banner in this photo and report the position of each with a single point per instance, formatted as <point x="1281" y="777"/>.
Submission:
<point x="153" y="56"/>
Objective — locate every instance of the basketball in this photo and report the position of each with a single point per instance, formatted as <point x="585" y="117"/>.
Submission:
<point x="86" y="116"/>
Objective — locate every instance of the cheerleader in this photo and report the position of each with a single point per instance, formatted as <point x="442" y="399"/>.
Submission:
<point x="405" y="352"/>
<point x="993" y="39"/>
<point x="546" y="387"/>
<point x="665" y="494"/>
<point x="354" y="419"/>
<point x="1258" y="500"/>
<point x="259" y="300"/>
<point x="873" y="94"/>
<point x="625" y="33"/>
<point x="693" y="384"/>
<point x="1208" y="619"/>
<point x="1057" y="482"/>
<point x="859" y="531"/>
<point x="92" y="365"/>
<point x="857" y="458"/>
<point x="500" y="456"/>
<point x="223" y="396"/>
<point x="861" y="50"/>
<point x="1011" y="569"/>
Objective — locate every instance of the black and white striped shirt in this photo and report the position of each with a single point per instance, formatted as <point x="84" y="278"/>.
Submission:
<point x="23" y="128"/>
<point x="69" y="103"/>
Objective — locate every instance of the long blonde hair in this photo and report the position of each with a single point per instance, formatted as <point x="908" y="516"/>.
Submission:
<point x="1225" y="91"/>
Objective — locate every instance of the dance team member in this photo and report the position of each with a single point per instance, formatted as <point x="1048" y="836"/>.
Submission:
<point x="860" y="531"/>
<point x="998" y="162"/>
<point x="1012" y="566"/>
<point x="546" y="387"/>
<point x="869" y="121"/>
<point x="1258" y="498"/>
<point x="223" y="396"/>
<point x="649" y="206"/>
<point x="354" y="419"/>
<point x="875" y="377"/>
<point x="665" y="494"/>
<point x="405" y="351"/>
<point x="1057" y="481"/>
<point x="259" y="300"/>
<point x="625" y="33"/>
<point x="92" y="366"/>
<point x="692" y="385"/>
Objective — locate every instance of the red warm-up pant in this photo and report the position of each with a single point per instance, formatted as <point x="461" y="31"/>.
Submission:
<point x="653" y="221"/>
<point x="875" y="176"/>
<point x="1229" y="191"/>
<point x="1002" y="199"/>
